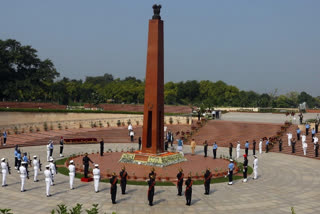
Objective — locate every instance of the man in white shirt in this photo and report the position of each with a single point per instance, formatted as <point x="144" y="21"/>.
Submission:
<point x="4" y="171"/>
<point x="238" y="149"/>
<point x="289" y="138"/>
<point x="72" y="173"/>
<point x="23" y="175"/>
<point x="304" y="147"/>
<point x="53" y="170"/>
<point x="48" y="179"/>
<point x="96" y="177"/>
<point x="130" y="128"/>
<point x="255" y="167"/>
<point x="35" y="163"/>
<point x="260" y="146"/>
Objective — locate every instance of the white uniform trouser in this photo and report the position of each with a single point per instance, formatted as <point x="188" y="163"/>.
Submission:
<point x="255" y="172"/>
<point x="304" y="150"/>
<point x="260" y="149"/>
<point x="289" y="141"/>
<point x="4" y="177"/>
<point x="23" y="180"/>
<point x="48" y="155"/>
<point x="238" y="154"/>
<point x="71" y="176"/>
<point x="48" y="183"/>
<point x="53" y="173"/>
<point x="35" y="178"/>
<point x="96" y="183"/>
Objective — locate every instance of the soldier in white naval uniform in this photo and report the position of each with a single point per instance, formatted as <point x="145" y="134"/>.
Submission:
<point x="255" y="167"/>
<point x="48" y="178"/>
<point x="72" y="173"/>
<point x="96" y="177"/>
<point x="23" y="175"/>
<point x="53" y="170"/>
<point x="238" y="149"/>
<point x="35" y="163"/>
<point x="4" y="171"/>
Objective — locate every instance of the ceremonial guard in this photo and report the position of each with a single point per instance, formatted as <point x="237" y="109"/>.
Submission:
<point x="298" y="133"/>
<point x="85" y="161"/>
<point x="72" y="173"/>
<point x="180" y="145"/>
<point x="255" y="167"/>
<point x="26" y="160"/>
<point x="293" y="145"/>
<point x="267" y="146"/>
<point x="123" y="176"/>
<point x="214" y="149"/>
<point x="61" y="146"/>
<point x="153" y="173"/>
<point x="23" y="175"/>
<point x="303" y="138"/>
<point x="19" y="160"/>
<point x="151" y="184"/>
<point x="230" y="149"/>
<point x="254" y="147"/>
<point x="113" y="188"/>
<point x="230" y="171"/>
<point x="96" y="177"/>
<point x="280" y="145"/>
<point x="307" y="128"/>
<point x="53" y="170"/>
<point x="51" y="147"/>
<point x="48" y="178"/>
<point x="48" y="151"/>
<point x="188" y="192"/>
<point x="4" y="137"/>
<point x="4" y="171"/>
<point x="180" y="177"/>
<point x="16" y="157"/>
<point x="260" y="146"/>
<point x="35" y="163"/>
<point x="101" y="147"/>
<point x="207" y="181"/>
<point x="205" y="148"/>
<point x="245" y="168"/>
<point x="304" y="147"/>
<point x="316" y="150"/>
<point x="313" y="132"/>
<point x="246" y="147"/>
<point x="238" y="149"/>
<point x="289" y="138"/>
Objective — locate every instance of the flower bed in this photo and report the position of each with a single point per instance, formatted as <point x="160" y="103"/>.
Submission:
<point x="80" y="140"/>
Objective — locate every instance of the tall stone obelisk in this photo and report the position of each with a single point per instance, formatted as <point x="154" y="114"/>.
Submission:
<point x="153" y="121"/>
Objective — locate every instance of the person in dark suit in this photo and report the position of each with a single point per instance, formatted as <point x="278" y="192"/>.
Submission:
<point x="85" y="161"/>
<point x="207" y="181"/>
<point x="180" y="177"/>
<point x="113" y="188"/>
<point x="123" y="177"/>
<point x="151" y="184"/>
<point x="153" y="172"/>
<point x="101" y="147"/>
<point x="188" y="192"/>
<point x="205" y="148"/>
<point x="230" y="149"/>
<point x="254" y="147"/>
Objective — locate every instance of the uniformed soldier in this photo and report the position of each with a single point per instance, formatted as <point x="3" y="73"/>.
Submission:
<point x="260" y="146"/>
<point x="255" y="167"/>
<point x="230" y="149"/>
<point x="51" y="147"/>
<point x="16" y="157"/>
<point x="267" y="146"/>
<point x="304" y="147"/>
<point x="316" y="150"/>
<point x="307" y="128"/>
<point x="289" y="138"/>
<point x="4" y="171"/>
<point x="101" y="147"/>
<point x="85" y="162"/>
<point x="188" y="192"/>
<point x="96" y="177"/>
<point x="35" y="163"/>
<point x="238" y="149"/>
<point x="72" y="173"/>
<point x="313" y="132"/>
<point x="214" y="150"/>
<point x="151" y="184"/>
<point x="205" y="148"/>
<point x="293" y="145"/>
<point x="25" y="159"/>
<point x="48" y="179"/>
<point x="153" y="173"/>
<point x="48" y="151"/>
<point x="246" y="146"/>
<point x="19" y="158"/>
<point x="61" y="146"/>
<point x="207" y="181"/>
<point x="254" y="147"/>
<point x="180" y="177"/>
<point x="123" y="177"/>
<point x="23" y="175"/>
<point x="113" y="188"/>
<point x="245" y="168"/>
<point x="53" y="170"/>
<point x="298" y="133"/>
<point x="230" y="171"/>
<point x="280" y="145"/>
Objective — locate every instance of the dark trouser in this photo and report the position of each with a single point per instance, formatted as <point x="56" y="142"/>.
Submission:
<point x="139" y="146"/>
<point x="150" y="196"/>
<point x="316" y="152"/>
<point x="15" y="161"/>
<point x="171" y="143"/>
<point x="51" y="151"/>
<point x="19" y="164"/>
<point x="245" y="173"/>
<point x="207" y="186"/>
<point x="246" y="151"/>
<point x="205" y="152"/>
<point x="123" y="186"/>
<point x="61" y="150"/>
<point x="86" y="168"/>
<point x="317" y="128"/>
<point x="188" y="196"/>
<point x="4" y="140"/>
<point x="267" y="148"/>
<point x="180" y="188"/>
<point x="214" y="153"/>
<point x="254" y="150"/>
<point x="280" y="147"/>
<point x="307" y="131"/>
<point x="230" y="176"/>
<point x="230" y="152"/>
<point x="298" y="136"/>
<point x="166" y="147"/>
<point x="293" y="149"/>
<point x="131" y="138"/>
<point x="113" y="194"/>
<point x="101" y="151"/>
<point x="312" y="138"/>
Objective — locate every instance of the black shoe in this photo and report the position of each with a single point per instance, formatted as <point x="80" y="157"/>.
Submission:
<point x="114" y="202"/>
<point x="150" y="204"/>
<point x="48" y="195"/>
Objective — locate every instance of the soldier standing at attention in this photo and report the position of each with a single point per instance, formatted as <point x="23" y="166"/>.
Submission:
<point x="23" y="175"/>
<point x="53" y="170"/>
<point x="230" y="171"/>
<point x="260" y="146"/>
<point x="205" y="148"/>
<point x="313" y="132"/>
<point x="113" y="188"/>
<point x="61" y="146"/>
<point x="123" y="176"/>
<point x="255" y="167"/>
<point x="254" y="147"/>
<point x="238" y="149"/>
<point x="85" y="162"/>
<point x="214" y="149"/>
<point x="153" y="173"/>
<point x="247" y="147"/>
<point x="188" y="192"/>
<point x="180" y="176"/>
<point x="293" y="144"/>
<point x="48" y="179"/>
<point x="298" y="133"/>
<point x="151" y="184"/>
<point x="35" y="163"/>
<point x="72" y="173"/>
<point x="267" y="146"/>
<point x="307" y="128"/>
<point x="101" y="147"/>
<point x="96" y="177"/>
<point x="51" y="147"/>
<point x="316" y="149"/>
<point x="4" y="171"/>
<point x="245" y="168"/>
<point x="280" y="145"/>
<point x="230" y="149"/>
<point x="207" y="181"/>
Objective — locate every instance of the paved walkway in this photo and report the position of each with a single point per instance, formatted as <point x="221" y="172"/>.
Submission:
<point x="284" y="181"/>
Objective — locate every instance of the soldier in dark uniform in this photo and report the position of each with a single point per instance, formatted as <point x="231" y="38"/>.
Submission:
<point x="61" y="146"/>
<point x="245" y="168"/>
<point x="85" y="162"/>
<point x="280" y="145"/>
<point x="188" y="192"/>
<point x="317" y="149"/>
<point x="230" y="149"/>
<point x="205" y="148"/>
<point x="153" y="173"/>
<point x="139" y="141"/>
<point x="293" y="144"/>
<point x="101" y="147"/>
<point x="207" y="181"/>
<point x="123" y="176"/>
<point x="151" y="184"/>
<point x="180" y="176"/>
<point x="254" y="147"/>
<point x="113" y="188"/>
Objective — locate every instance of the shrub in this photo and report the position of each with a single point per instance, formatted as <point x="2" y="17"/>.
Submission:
<point x="45" y="126"/>
<point x="59" y="126"/>
<point x="170" y="120"/>
<point x="118" y="123"/>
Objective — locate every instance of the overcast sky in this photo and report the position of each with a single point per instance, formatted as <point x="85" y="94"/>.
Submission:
<point x="254" y="45"/>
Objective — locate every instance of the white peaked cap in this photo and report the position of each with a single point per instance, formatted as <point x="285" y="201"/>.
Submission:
<point x="35" y="156"/>
<point x="51" y="159"/>
<point x="2" y="159"/>
<point x="231" y="160"/>
<point x="71" y="161"/>
<point x="96" y="165"/>
<point x="47" y="166"/>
